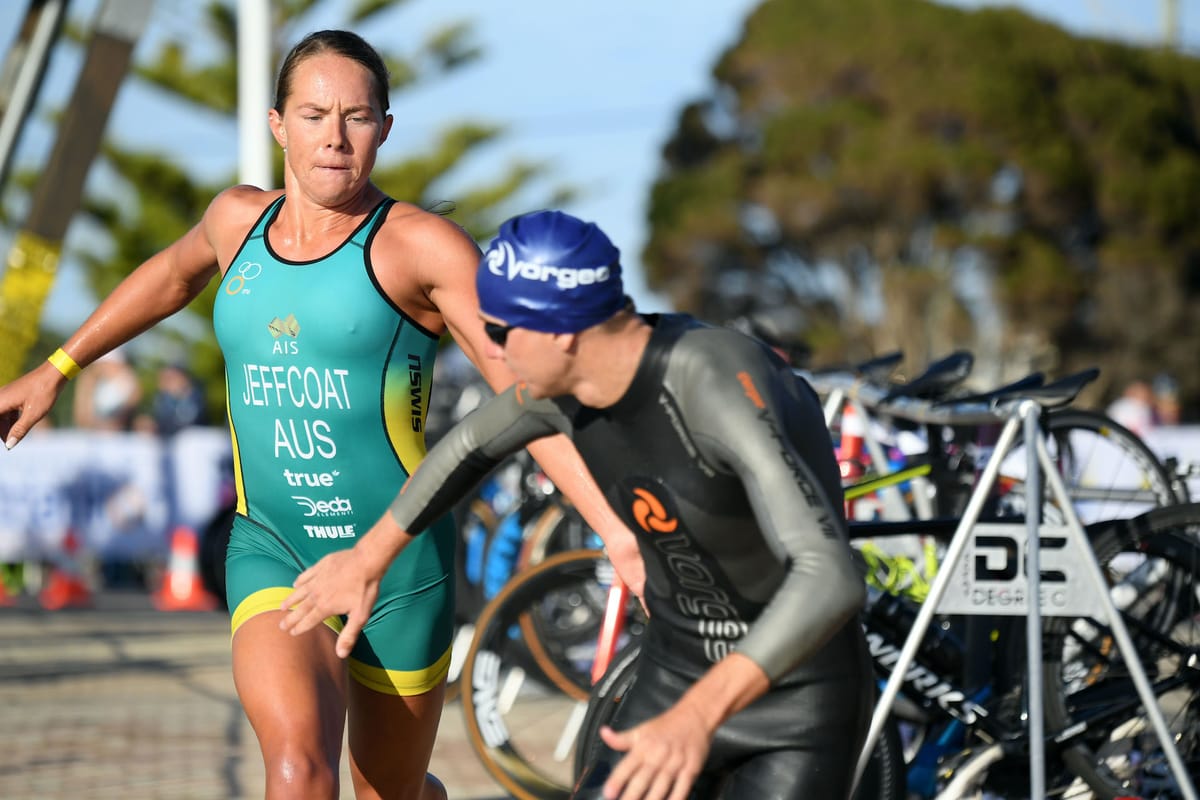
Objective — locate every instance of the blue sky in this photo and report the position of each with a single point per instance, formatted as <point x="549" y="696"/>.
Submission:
<point x="592" y="89"/>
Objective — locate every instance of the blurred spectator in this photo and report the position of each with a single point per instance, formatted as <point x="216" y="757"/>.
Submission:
<point x="1135" y="408"/>
<point x="107" y="394"/>
<point x="178" y="400"/>
<point x="1166" y="399"/>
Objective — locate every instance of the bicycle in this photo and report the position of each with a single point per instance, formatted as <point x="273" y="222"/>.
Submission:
<point x="1098" y="740"/>
<point x="523" y="728"/>
<point x="1132" y="579"/>
<point x="524" y="732"/>
<point x="1109" y="470"/>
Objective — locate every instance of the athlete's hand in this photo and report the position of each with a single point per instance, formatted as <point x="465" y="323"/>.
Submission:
<point x="26" y="400"/>
<point x="662" y="757"/>
<point x="340" y="583"/>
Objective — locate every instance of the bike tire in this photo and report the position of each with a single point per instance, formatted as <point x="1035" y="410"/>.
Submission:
<point x="1155" y="582"/>
<point x="605" y="699"/>
<point x="515" y="717"/>
<point x="557" y="528"/>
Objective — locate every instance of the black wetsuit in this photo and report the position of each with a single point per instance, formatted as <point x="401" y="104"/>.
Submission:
<point x="718" y="458"/>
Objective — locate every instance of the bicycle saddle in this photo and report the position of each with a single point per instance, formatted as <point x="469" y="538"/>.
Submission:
<point x="937" y="378"/>
<point x="877" y="370"/>
<point x="1015" y="389"/>
<point x="873" y="370"/>
<point x="1062" y="391"/>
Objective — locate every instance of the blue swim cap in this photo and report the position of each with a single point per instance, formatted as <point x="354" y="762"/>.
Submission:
<point x="550" y="272"/>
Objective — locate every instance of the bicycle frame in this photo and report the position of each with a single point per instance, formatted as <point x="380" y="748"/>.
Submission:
<point x="611" y="627"/>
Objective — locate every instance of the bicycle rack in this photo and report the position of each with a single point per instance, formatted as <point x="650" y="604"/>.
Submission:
<point x="1016" y="414"/>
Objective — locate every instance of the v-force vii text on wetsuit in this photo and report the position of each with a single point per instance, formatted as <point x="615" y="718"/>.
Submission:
<point x="710" y="459"/>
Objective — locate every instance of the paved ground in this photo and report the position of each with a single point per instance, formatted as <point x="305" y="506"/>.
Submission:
<point x="122" y="701"/>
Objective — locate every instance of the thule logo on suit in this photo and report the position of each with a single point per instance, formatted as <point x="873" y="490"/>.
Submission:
<point x="329" y="531"/>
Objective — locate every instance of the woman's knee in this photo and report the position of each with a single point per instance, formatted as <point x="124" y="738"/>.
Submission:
<point x="298" y="773"/>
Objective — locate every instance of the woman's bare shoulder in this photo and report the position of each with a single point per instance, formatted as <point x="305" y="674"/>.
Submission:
<point x="232" y="214"/>
<point x="414" y="238"/>
<point x="240" y="201"/>
<point x="416" y="253"/>
<point x="408" y="221"/>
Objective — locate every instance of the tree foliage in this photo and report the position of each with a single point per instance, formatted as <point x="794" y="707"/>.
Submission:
<point x="918" y="176"/>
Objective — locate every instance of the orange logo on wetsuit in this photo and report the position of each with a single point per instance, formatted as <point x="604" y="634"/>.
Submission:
<point x="649" y="512"/>
<point x="751" y="390"/>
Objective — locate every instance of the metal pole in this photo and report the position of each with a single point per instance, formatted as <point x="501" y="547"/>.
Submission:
<point x="1029" y="411"/>
<point x="28" y="79"/>
<point x="254" y="81"/>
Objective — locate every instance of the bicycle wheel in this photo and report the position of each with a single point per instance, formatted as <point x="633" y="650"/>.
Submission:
<point x="478" y="520"/>
<point x="1155" y="579"/>
<point x="1108" y="471"/>
<point x="605" y="699"/>
<point x="527" y="673"/>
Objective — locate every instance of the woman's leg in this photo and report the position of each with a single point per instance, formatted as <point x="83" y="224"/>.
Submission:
<point x="293" y="690"/>
<point x="397" y="689"/>
<point x="391" y="742"/>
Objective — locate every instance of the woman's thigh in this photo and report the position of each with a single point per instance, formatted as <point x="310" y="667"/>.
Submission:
<point x="293" y="691"/>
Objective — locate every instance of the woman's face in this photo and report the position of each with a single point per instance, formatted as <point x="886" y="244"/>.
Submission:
<point x="331" y="128"/>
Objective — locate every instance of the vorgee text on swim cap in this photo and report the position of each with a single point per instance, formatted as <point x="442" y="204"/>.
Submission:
<point x="501" y="260"/>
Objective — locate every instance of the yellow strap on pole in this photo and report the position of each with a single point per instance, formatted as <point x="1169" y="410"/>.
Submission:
<point x="32" y="265"/>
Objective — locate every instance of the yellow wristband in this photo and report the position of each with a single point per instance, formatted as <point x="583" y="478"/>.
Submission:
<point x="64" y="364"/>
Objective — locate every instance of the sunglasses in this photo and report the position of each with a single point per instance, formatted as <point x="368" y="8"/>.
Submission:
<point x="496" y="332"/>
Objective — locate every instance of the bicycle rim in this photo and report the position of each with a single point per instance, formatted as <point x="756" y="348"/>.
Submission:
<point x="1107" y="470"/>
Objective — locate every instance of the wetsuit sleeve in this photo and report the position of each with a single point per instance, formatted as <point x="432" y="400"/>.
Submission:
<point x="470" y="450"/>
<point x="750" y="416"/>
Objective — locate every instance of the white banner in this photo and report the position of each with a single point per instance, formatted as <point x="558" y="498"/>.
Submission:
<point x="120" y="493"/>
<point x="1182" y="443"/>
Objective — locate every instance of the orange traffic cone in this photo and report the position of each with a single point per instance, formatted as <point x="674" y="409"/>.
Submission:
<point x="850" y="451"/>
<point x="65" y="586"/>
<point x="7" y="598"/>
<point x="182" y="589"/>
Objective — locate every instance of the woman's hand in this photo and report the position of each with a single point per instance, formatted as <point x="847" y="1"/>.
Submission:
<point x="27" y="400"/>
